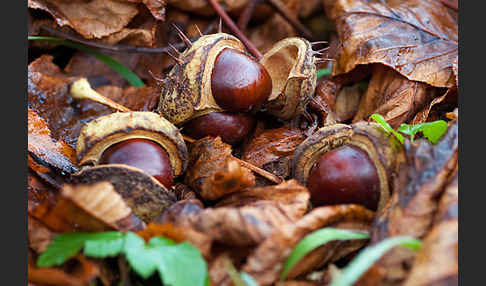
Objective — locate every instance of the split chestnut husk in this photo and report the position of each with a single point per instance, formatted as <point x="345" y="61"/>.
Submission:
<point x="383" y="150"/>
<point x="291" y="64"/>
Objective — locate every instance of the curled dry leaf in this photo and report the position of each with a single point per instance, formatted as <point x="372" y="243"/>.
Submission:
<point x="94" y="207"/>
<point x="91" y="19"/>
<point x="272" y="150"/>
<point x="80" y="271"/>
<point x="156" y="7"/>
<point x="393" y="96"/>
<point x="213" y="172"/>
<point x="47" y="156"/>
<point x="264" y="209"/>
<point x="411" y="209"/>
<point x="437" y="261"/>
<point x="266" y="262"/>
<point x="417" y="38"/>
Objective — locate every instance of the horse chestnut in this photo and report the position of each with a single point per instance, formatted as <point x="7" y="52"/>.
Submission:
<point x="143" y="154"/>
<point x="345" y="175"/>
<point x="238" y="82"/>
<point x="232" y="128"/>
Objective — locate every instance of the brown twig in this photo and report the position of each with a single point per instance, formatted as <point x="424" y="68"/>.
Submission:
<point x="120" y="48"/>
<point x="246" y="15"/>
<point x="267" y="175"/>
<point x="291" y="18"/>
<point x="234" y="28"/>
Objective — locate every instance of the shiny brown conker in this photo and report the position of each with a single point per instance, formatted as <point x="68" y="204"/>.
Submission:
<point x="238" y="82"/>
<point x="143" y="154"/>
<point x="344" y="175"/>
<point x="231" y="127"/>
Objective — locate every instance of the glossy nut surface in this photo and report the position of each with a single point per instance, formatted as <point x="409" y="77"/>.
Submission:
<point x="143" y="154"/>
<point x="232" y="128"/>
<point x="239" y="83"/>
<point x="344" y="175"/>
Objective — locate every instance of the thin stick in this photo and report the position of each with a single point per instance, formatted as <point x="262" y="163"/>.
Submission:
<point x="232" y="26"/>
<point x="267" y="175"/>
<point x="81" y="89"/>
<point x="291" y="18"/>
<point x="246" y="15"/>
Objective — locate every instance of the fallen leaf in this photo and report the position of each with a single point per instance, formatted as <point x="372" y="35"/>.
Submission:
<point x="243" y="225"/>
<point x="272" y="150"/>
<point x="437" y="261"/>
<point x="417" y="38"/>
<point x="393" y="96"/>
<point x="91" y="19"/>
<point x="213" y="172"/>
<point x="266" y="262"/>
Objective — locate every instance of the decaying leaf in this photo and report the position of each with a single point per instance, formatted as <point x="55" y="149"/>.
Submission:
<point x="234" y="224"/>
<point x="393" y="96"/>
<point x="96" y="207"/>
<point x="437" y="261"/>
<point x="417" y="38"/>
<point x="91" y="19"/>
<point x="411" y="208"/>
<point x="213" y="172"/>
<point x="272" y="150"/>
<point x="266" y="262"/>
<point x="50" y="158"/>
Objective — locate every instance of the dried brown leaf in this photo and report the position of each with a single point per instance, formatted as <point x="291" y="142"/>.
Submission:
<point x="272" y="150"/>
<point x="393" y="96"/>
<point x="45" y="151"/>
<point x="213" y="172"/>
<point x="243" y="225"/>
<point x="437" y="261"/>
<point x="91" y="19"/>
<point x="94" y="207"/>
<point x="417" y="38"/>
<point x="266" y="262"/>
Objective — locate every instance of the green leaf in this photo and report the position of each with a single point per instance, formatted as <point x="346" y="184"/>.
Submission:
<point x="182" y="265"/>
<point x="314" y="240"/>
<point x="160" y="241"/>
<point x="110" y="244"/>
<point x="66" y="245"/>
<point x="378" y="118"/>
<point x="366" y="258"/>
<point x="431" y="130"/>
<point x="323" y="72"/>
<point x="142" y="259"/>
<point x="131" y="77"/>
